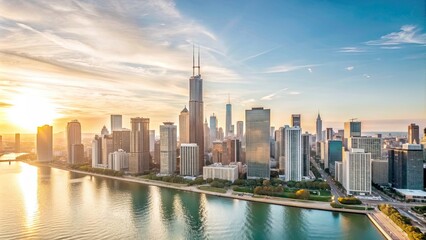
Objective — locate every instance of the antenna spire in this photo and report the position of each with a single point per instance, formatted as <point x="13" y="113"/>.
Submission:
<point x="199" y="60"/>
<point x="193" y="60"/>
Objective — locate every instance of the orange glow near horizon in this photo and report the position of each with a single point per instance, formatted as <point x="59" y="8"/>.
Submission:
<point x="30" y="110"/>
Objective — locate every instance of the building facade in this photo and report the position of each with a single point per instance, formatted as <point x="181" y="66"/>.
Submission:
<point x="357" y="172"/>
<point x="334" y="154"/>
<point x="45" y="143"/>
<point x="116" y="122"/>
<point x="379" y="171"/>
<point x="139" y="159"/>
<point x="96" y="151"/>
<point x="296" y="120"/>
<point x="217" y="170"/>
<point x="371" y="145"/>
<point x="184" y="126"/>
<point x="228" y="119"/>
<point x="118" y="160"/>
<point x="405" y="167"/>
<point x="319" y="128"/>
<point x="189" y="159"/>
<point x="413" y="134"/>
<point x="293" y="154"/>
<point x="73" y="137"/>
<point x="168" y="143"/>
<point x="306" y="154"/>
<point x="121" y="139"/>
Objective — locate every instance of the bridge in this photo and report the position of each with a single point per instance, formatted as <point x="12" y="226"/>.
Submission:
<point x="12" y="157"/>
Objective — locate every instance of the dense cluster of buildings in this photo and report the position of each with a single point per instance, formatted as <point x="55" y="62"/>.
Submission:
<point x="204" y="148"/>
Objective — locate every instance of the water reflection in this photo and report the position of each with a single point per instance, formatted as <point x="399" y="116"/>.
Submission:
<point x="29" y="185"/>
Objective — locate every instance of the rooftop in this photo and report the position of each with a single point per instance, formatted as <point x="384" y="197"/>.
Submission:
<point x="410" y="192"/>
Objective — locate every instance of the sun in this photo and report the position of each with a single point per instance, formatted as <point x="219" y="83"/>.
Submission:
<point x="31" y="110"/>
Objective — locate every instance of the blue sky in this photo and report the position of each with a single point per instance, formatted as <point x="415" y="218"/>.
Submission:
<point x="89" y="59"/>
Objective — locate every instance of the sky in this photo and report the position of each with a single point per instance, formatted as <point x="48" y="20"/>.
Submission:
<point x="65" y="60"/>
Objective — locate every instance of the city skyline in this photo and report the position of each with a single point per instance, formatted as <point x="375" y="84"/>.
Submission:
<point x="138" y="59"/>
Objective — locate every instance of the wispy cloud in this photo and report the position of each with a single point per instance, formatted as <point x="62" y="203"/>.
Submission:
<point x="310" y="70"/>
<point x="294" y="93"/>
<point x="351" y="50"/>
<point x="259" y="54"/>
<point x="272" y="95"/>
<point x="350" y="68"/>
<point x="287" y="68"/>
<point x="366" y="75"/>
<point x="408" y="34"/>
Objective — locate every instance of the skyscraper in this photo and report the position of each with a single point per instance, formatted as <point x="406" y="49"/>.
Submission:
<point x="107" y="148"/>
<point x="357" y="172"/>
<point x="328" y="134"/>
<point x="96" y="151"/>
<point x="228" y="118"/>
<point x="352" y="129"/>
<point x="73" y="137"/>
<point x="168" y="143"/>
<point x="196" y="128"/>
<point x="296" y="120"/>
<point x="189" y="159"/>
<point x="17" y="143"/>
<point x="116" y="122"/>
<point x="139" y="145"/>
<point x="44" y="143"/>
<point x="121" y="140"/>
<point x="184" y="126"/>
<point x="319" y="128"/>
<point x="257" y="143"/>
<point x="413" y="134"/>
<point x="371" y="145"/>
<point x="77" y="152"/>
<point x="240" y="130"/>
<point x="406" y="167"/>
<point x="104" y="131"/>
<point x="213" y="128"/>
<point x="334" y="154"/>
<point x="293" y="154"/>
<point x="306" y="154"/>
<point x="151" y="140"/>
<point x="207" y="142"/>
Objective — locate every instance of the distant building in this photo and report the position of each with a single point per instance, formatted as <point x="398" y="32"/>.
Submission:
<point x="157" y="152"/>
<point x="96" y="151"/>
<point x="240" y="130"/>
<point x="293" y="154"/>
<point x="319" y="128"/>
<point x="104" y="131"/>
<point x="334" y="154"/>
<point x="369" y="144"/>
<point x="357" y="172"/>
<point x="233" y="147"/>
<point x="118" y="160"/>
<point x="228" y="119"/>
<point x="413" y="134"/>
<point x="207" y="143"/>
<point x="44" y="143"/>
<point x="352" y="129"/>
<point x="338" y="171"/>
<point x="329" y="134"/>
<point x="217" y="152"/>
<point x="296" y="120"/>
<point x="168" y="143"/>
<point x="379" y="171"/>
<point x="139" y="145"/>
<point x="189" y="159"/>
<point x="220" y="135"/>
<point x="77" y="153"/>
<point x="107" y="148"/>
<point x="116" y="122"/>
<point x="121" y="139"/>
<point x="257" y="143"/>
<point x="306" y="154"/>
<point x="73" y="137"/>
<point x="406" y="167"/>
<point x="184" y="126"/>
<point x="151" y="140"/>
<point x="213" y="129"/>
<point x="217" y="170"/>
<point x="17" y="143"/>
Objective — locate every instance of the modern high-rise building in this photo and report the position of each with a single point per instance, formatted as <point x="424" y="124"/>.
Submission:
<point x="228" y="118"/>
<point x="77" y="153"/>
<point x="233" y="146"/>
<point x="413" y="134"/>
<point x="116" y="122"/>
<point x="220" y="135"/>
<point x="168" y="144"/>
<point x="293" y="154"/>
<point x="207" y="140"/>
<point x="328" y="134"/>
<point x="157" y="152"/>
<point x="338" y="171"/>
<point x="151" y="140"/>
<point x="334" y="154"/>
<point x="379" y="171"/>
<point x="352" y="129"/>
<point x="189" y="159"/>
<point x="118" y="160"/>
<point x="280" y="139"/>
<point x="96" y="151"/>
<point x="371" y="145"/>
<point x="213" y="128"/>
<point x="107" y="148"/>
<point x="306" y="154"/>
<point x="406" y="167"/>
<point x="319" y="128"/>
<point x="240" y="130"/>
<point x="44" y="143"/>
<point x="73" y="137"/>
<point x="121" y="140"/>
<point x="184" y="126"/>
<point x="257" y="143"/>
<point x="196" y="128"/>
<point x="357" y="172"/>
<point x="17" y="143"/>
<point x="139" y="145"/>
<point x="296" y="120"/>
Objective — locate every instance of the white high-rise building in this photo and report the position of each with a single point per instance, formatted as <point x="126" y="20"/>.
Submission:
<point x="189" y="159"/>
<point x="118" y="160"/>
<point x="168" y="142"/>
<point x="357" y="171"/>
<point x="73" y="137"/>
<point x="217" y="170"/>
<point x="151" y="140"/>
<point x="369" y="144"/>
<point x="338" y="166"/>
<point x="44" y="143"/>
<point x="293" y="154"/>
<point x="116" y="122"/>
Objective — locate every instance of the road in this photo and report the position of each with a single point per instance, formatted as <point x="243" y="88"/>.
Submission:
<point x="335" y="191"/>
<point x="387" y="225"/>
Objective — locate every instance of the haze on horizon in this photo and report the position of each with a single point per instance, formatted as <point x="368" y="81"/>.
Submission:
<point x="65" y="60"/>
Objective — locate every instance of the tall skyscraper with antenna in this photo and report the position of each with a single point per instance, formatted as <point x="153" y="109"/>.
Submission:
<point x="319" y="128"/>
<point x="196" y="128"/>
<point x="228" y="117"/>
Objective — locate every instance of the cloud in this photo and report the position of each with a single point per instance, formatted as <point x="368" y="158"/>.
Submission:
<point x="351" y="50"/>
<point x="350" y="68"/>
<point x="310" y="70"/>
<point x="408" y="34"/>
<point x="5" y="105"/>
<point x="272" y="95"/>
<point x="294" y="93"/>
<point x="287" y="68"/>
<point x="259" y="54"/>
<point x="366" y="75"/>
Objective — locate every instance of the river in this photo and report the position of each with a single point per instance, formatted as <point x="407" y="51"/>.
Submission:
<point x="49" y="203"/>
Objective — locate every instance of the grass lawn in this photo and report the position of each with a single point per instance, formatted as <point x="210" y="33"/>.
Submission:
<point x="212" y="189"/>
